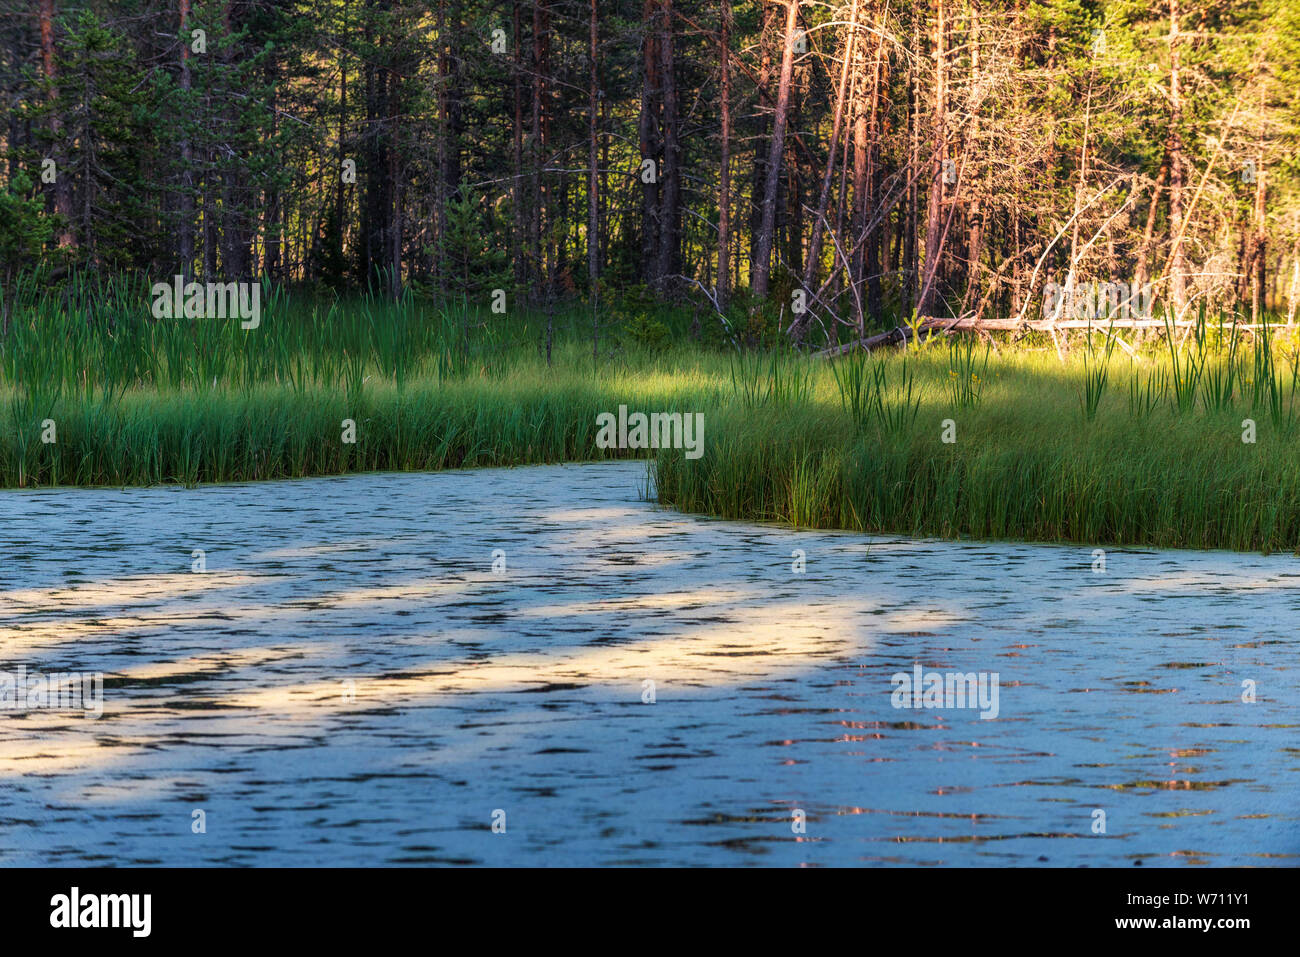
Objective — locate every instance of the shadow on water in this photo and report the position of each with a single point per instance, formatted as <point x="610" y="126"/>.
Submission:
<point x="351" y="682"/>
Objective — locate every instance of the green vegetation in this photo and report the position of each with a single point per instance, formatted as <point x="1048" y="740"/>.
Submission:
<point x="1102" y="448"/>
<point x="135" y="400"/>
<point x="1043" y="450"/>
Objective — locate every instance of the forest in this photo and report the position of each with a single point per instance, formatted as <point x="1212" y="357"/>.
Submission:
<point x="808" y="167"/>
<point x="665" y="424"/>
<point x="268" y="239"/>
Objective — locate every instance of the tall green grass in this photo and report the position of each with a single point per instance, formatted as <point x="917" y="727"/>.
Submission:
<point x="1100" y="448"/>
<point x="137" y="400"/>
<point x="1162" y="463"/>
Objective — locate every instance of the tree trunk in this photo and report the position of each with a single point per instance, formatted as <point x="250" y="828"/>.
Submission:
<point x="911" y="245"/>
<point x="724" y="179"/>
<point x="762" y="267"/>
<point x="670" y="220"/>
<point x="185" y="238"/>
<point x="540" y="27"/>
<point x="1177" y="172"/>
<point x="934" y="206"/>
<point x="1260" y="242"/>
<point x="234" y="208"/>
<point x="648" y="134"/>
<point x="792" y="202"/>
<point x="62" y="194"/>
<point x="340" y="195"/>
<point x="819" y="217"/>
<point x="593" y="182"/>
<point x="593" y="190"/>
<point x="1148" y="234"/>
<point x="869" y="177"/>
<point x="271" y="231"/>
<point x="758" y="180"/>
<point x="517" y="147"/>
<point x="975" y="211"/>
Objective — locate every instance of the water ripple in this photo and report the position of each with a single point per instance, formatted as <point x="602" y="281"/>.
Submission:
<point x="349" y="683"/>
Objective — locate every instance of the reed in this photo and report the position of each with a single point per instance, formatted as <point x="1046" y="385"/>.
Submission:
<point x="1045" y="450"/>
<point x="1167" y="471"/>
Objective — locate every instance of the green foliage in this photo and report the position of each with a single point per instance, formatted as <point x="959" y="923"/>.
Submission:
<point x="1022" y="467"/>
<point x="638" y="315"/>
<point x="777" y="379"/>
<point x="475" y="262"/>
<point x="756" y="323"/>
<point x="967" y="376"/>
<point x="24" y="228"/>
<point x="1096" y="373"/>
<point x="853" y="444"/>
<point x="647" y="332"/>
<point x="865" y="392"/>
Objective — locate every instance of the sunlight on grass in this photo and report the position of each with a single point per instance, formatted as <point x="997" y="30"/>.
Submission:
<point x="1191" y="441"/>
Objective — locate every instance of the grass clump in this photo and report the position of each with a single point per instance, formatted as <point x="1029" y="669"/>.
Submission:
<point x="1174" y="465"/>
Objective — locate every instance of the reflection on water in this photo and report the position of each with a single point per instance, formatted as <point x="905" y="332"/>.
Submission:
<point x="349" y="682"/>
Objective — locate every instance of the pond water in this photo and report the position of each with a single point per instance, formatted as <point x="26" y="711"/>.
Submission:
<point x="350" y="682"/>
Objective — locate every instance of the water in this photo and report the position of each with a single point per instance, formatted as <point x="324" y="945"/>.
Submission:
<point x="350" y="683"/>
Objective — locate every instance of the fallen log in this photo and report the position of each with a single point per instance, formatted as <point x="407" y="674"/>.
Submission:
<point x="897" y="335"/>
<point x="902" y="334"/>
